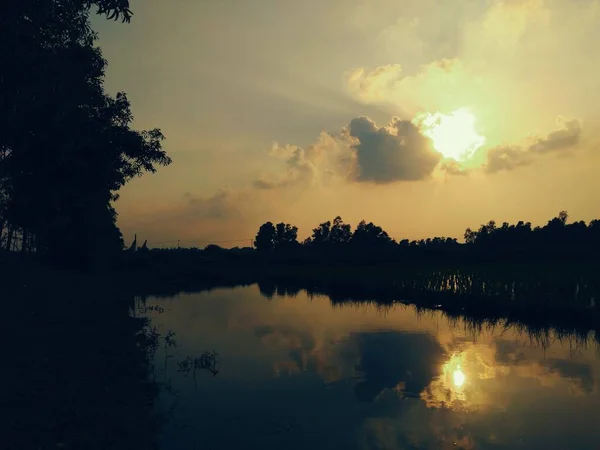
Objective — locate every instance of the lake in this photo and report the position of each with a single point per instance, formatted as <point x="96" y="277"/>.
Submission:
<point x="298" y="371"/>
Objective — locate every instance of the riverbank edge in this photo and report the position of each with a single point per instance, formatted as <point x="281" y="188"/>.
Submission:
<point x="27" y="276"/>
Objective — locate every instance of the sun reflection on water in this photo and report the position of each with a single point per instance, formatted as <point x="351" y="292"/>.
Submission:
<point x="453" y="385"/>
<point x="458" y="376"/>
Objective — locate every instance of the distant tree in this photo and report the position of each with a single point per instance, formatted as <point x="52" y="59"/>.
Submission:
<point x="470" y="236"/>
<point x="265" y="238"/>
<point x="368" y="234"/>
<point x="563" y="216"/>
<point x="329" y="234"/>
<point x="213" y="250"/>
<point x="593" y="231"/>
<point x="340" y="233"/>
<point x="286" y="237"/>
<point x="320" y="235"/>
<point x="281" y="237"/>
<point x="559" y="222"/>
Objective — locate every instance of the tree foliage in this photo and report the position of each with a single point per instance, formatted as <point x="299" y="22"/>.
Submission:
<point x="280" y="237"/>
<point x="67" y="146"/>
<point x="558" y="239"/>
<point x="369" y="234"/>
<point x="329" y="234"/>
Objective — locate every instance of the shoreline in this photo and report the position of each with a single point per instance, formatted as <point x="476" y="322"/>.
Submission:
<point x="562" y="296"/>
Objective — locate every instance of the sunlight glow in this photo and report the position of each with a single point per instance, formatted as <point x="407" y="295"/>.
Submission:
<point x="453" y="135"/>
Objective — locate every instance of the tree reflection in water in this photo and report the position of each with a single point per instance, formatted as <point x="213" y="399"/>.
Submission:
<point x="79" y="370"/>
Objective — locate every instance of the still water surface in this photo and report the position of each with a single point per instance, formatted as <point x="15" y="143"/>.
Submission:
<point x="299" y="373"/>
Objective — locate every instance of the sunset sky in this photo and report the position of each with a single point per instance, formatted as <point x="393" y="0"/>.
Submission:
<point x="423" y="116"/>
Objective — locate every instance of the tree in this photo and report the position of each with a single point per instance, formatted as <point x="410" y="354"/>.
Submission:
<point x="563" y="216"/>
<point x="328" y="234"/>
<point x="470" y="236"/>
<point x="281" y="237"/>
<point x="341" y="233"/>
<point x="286" y="237"/>
<point x="67" y="147"/>
<point x="369" y="234"/>
<point x="320" y="235"/>
<point x="265" y="238"/>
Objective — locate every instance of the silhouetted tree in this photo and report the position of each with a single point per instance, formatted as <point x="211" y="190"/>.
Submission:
<point x="320" y="235"/>
<point x="340" y="233"/>
<point x="370" y="234"/>
<point x="286" y="237"/>
<point x="281" y="237"/>
<point x="265" y="238"/>
<point x="335" y="242"/>
<point x="328" y="235"/>
<point x="66" y="146"/>
<point x="213" y="249"/>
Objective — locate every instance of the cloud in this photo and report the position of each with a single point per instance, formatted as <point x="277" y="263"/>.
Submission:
<point x="510" y="157"/>
<point x="506" y="158"/>
<point x="433" y="87"/>
<point x="299" y="168"/>
<point x="220" y="206"/>
<point x="565" y="137"/>
<point x="512" y="62"/>
<point x="453" y="167"/>
<point x="397" y="152"/>
<point x="361" y="152"/>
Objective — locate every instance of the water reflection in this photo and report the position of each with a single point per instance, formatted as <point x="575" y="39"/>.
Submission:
<point x="305" y="372"/>
<point x="458" y="376"/>
<point x="76" y="373"/>
<point x="404" y="362"/>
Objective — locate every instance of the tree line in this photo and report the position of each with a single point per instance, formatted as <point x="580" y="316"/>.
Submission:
<point x="66" y="145"/>
<point x="336" y="239"/>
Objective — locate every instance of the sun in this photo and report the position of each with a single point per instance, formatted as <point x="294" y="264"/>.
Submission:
<point x="453" y="135"/>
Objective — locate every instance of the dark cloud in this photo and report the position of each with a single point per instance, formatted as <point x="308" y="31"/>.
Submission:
<point x="506" y="158"/>
<point x="220" y="206"/>
<point x="563" y="138"/>
<point x="392" y="153"/>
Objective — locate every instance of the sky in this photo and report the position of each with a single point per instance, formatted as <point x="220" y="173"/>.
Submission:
<point x="423" y="116"/>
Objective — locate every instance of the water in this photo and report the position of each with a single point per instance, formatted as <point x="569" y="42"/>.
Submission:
<point x="296" y="372"/>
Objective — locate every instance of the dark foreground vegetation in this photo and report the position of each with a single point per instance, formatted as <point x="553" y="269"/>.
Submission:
<point x="76" y="363"/>
<point x="79" y="364"/>
<point x="66" y="145"/>
<point x="76" y="368"/>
